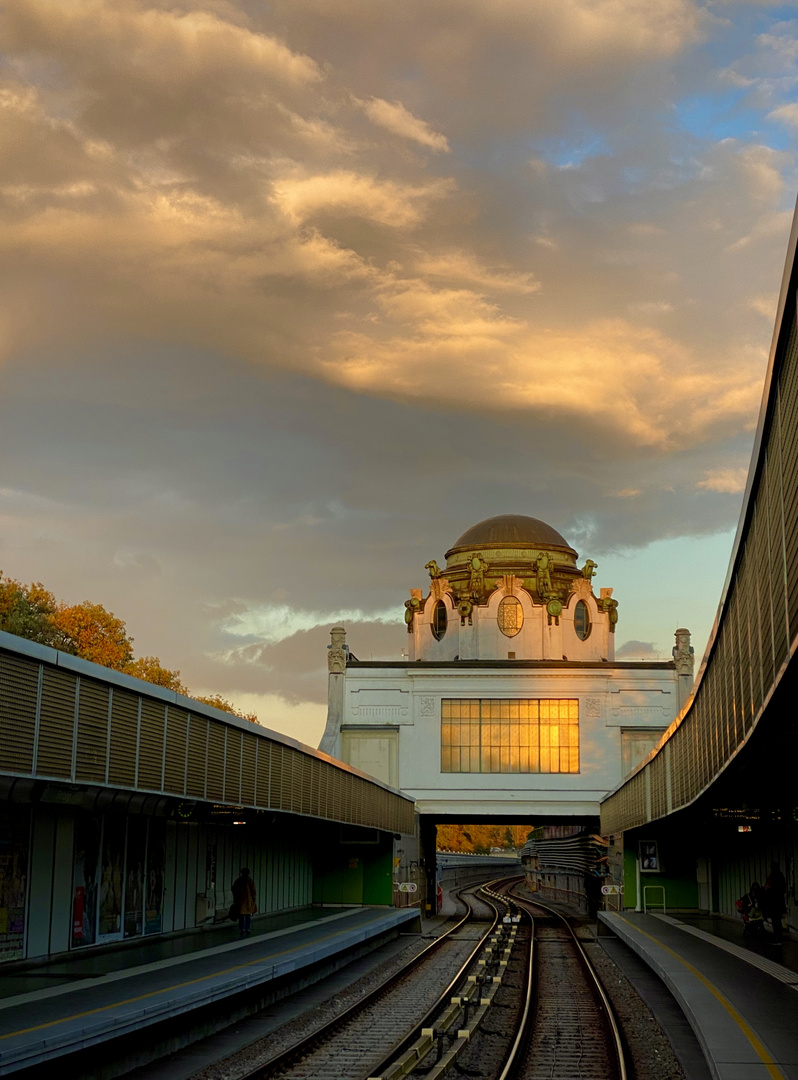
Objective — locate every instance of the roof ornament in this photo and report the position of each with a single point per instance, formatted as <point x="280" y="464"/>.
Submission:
<point x="543" y="566"/>
<point x="606" y="604"/>
<point x="413" y="607"/>
<point x="337" y="651"/>
<point x="478" y="567"/>
<point x="589" y="569"/>
<point x="434" y="569"/>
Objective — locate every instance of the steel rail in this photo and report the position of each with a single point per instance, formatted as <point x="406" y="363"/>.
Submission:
<point x="524" y="1022"/>
<point x="443" y="998"/>
<point x="594" y="982"/>
<point x="288" y="1057"/>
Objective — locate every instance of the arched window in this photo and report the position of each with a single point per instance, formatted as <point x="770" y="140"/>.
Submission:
<point x="510" y="616"/>
<point x="581" y="620"/>
<point x="439" y="620"/>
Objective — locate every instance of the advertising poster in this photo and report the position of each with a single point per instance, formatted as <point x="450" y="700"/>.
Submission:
<point x="113" y="862"/>
<point x="134" y="876"/>
<point x="84" y="886"/>
<point x="14" y="831"/>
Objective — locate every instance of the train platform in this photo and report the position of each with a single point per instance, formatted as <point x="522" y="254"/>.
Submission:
<point x="741" y="1001"/>
<point x="87" y="999"/>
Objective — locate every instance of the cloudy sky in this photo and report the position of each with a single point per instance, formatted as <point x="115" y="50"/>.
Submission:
<point x="294" y="292"/>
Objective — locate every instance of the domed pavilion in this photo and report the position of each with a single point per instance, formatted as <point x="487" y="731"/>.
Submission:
<point x="507" y="700"/>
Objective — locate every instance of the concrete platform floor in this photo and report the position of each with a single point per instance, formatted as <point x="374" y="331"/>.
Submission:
<point x="741" y="1004"/>
<point x="115" y="996"/>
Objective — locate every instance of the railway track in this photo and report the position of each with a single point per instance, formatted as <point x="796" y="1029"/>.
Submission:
<point x="510" y="998"/>
<point x="346" y="1047"/>
<point x="569" y="1029"/>
<point x="550" y="1018"/>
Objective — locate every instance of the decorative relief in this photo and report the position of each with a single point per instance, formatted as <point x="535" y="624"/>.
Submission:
<point x="478" y="567"/>
<point x="510" y="585"/>
<point x="337" y="651"/>
<point x="427" y="706"/>
<point x="544" y="564"/>
<point x="379" y="712"/>
<point x="639" y="712"/>
<point x="510" y="616"/>
<point x="581" y="588"/>
<point x="439" y="587"/>
<point x="593" y="707"/>
<point x="379" y="704"/>
<point x="683" y="653"/>
<point x="413" y="607"/>
<point x="610" y="606"/>
<point x="589" y="569"/>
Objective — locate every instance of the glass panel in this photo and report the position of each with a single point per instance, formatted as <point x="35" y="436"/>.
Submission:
<point x="502" y="735"/>
<point x="581" y="620"/>
<point x="156" y="856"/>
<point x="439" y="619"/>
<point x="113" y="857"/>
<point x="85" y="879"/>
<point x="134" y="876"/>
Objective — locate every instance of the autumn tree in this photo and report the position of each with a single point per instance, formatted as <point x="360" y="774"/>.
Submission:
<point x="218" y="702"/>
<point x="152" y="670"/>
<point x="28" y="611"/>
<point x="89" y="631"/>
<point x="94" y="634"/>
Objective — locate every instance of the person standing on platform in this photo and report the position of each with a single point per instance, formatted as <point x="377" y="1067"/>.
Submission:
<point x="244" y="901"/>
<point x="775" y="904"/>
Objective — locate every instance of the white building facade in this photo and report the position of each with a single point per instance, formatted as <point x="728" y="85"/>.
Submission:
<point x="510" y="701"/>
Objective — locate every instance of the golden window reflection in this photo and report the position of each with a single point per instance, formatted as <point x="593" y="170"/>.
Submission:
<point x="493" y="735"/>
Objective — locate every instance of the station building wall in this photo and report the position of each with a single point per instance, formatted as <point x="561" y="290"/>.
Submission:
<point x="707" y="865"/>
<point x="73" y="878"/>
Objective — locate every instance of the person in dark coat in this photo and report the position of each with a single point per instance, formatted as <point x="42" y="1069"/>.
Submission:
<point x="775" y="899"/>
<point x="751" y="907"/>
<point x="244" y="901"/>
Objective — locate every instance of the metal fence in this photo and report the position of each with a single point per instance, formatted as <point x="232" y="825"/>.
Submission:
<point x="756" y="631"/>
<point x="59" y="723"/>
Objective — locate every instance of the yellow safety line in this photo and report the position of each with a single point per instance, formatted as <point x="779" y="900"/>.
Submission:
<point x="771" y="1066"/>
<point x="165" y="990"/>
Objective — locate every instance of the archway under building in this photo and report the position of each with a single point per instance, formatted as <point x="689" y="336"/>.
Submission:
<point x="562" y="859"/>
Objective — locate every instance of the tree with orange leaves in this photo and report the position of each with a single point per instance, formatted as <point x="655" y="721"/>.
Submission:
<point x="89" y="631"/>
<point x="95" y="634"/>
<point x="152" y="670"/>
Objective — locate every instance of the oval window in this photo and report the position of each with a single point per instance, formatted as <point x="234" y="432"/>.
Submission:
<point x="581" y="620"/>
<point x="439" y="620"/>
<point x="510" y="616"/>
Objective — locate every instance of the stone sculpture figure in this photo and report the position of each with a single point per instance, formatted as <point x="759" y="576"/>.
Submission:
<point x="589" y="569"/>
<point x="607" y="604"/>
<point x="543" y="566"/>
<point x="336" y="651"/>
<point x="476" y="584"/>
<point x="683" y="652"/>
<point x="412" y="606"/>
<point x="434" y="569"/>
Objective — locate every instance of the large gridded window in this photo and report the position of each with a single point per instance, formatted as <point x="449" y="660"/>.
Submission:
<point x="502" y="735"/>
